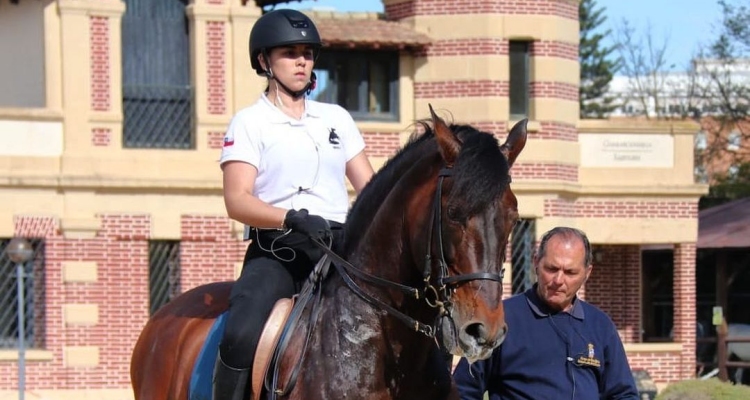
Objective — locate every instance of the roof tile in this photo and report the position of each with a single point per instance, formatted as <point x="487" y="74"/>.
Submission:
<point x="367" y="30"/>
<point x="727" y="225"/>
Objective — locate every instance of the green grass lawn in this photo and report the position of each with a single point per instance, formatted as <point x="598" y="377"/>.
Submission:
<point x="709" y="389"/>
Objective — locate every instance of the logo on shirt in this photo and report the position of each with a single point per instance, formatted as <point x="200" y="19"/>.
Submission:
<point x="590" y="359"/>
<point x="333" y="138"/>
<point x="228" y="141"/>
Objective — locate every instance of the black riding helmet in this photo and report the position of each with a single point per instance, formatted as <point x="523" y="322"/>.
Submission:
<point x="281" y="28"/>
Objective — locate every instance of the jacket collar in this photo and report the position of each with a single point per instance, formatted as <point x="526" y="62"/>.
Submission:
<point x="541" y="309"/>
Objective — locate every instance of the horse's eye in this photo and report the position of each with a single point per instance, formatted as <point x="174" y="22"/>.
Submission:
<point x="453" y="213"/>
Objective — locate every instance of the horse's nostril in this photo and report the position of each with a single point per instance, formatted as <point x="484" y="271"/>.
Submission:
<point x="478" y="331"/>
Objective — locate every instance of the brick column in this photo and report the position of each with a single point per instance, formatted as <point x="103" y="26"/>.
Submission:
<point x="684" y="306"/>
<point x="210" y="250"/>
<point x="614" y="286"/>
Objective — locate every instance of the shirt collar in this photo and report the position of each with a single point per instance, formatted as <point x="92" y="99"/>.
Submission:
<point x="541" y="309"/>
<point x="277" y="116"/>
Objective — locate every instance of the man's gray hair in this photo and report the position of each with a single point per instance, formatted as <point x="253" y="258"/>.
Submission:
<point x="567" y="233"/>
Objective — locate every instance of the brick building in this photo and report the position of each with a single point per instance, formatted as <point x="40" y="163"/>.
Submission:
<point x="109" y="141"/>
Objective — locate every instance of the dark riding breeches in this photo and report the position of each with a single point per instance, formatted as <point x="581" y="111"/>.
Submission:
<point x="264" y="279"/>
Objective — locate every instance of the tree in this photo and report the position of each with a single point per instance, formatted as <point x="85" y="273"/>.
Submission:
<point x="597" y="68"/>
<point x="727" y="187"/>
<point x="722" y="76"/>
<point x="643" y="59"/>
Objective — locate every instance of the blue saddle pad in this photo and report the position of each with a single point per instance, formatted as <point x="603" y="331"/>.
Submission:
<point x="202" y="376"/>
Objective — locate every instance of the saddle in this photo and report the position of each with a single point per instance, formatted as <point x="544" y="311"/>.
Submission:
<point x="269" y="338"/>
<point x="276" y="332"/>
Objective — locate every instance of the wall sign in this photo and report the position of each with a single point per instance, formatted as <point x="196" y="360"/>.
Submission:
<point x="626" y="150"/>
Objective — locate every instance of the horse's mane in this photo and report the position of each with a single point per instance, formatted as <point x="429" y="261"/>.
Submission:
<point x="480" y="175"/>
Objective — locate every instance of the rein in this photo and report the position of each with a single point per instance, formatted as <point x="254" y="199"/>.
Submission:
<point x="445" y="283"/>
<point x="435" y="297"/>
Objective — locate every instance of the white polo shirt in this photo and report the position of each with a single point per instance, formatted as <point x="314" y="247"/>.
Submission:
<point x="301" y="163"/>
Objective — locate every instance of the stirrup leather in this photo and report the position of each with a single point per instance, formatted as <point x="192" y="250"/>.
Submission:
<point x="269" y="338"/>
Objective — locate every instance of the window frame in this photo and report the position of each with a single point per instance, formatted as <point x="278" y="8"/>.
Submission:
<point x="516" y="49"/>
<point x="361" y="60"/>
<point x="35" y="297"/>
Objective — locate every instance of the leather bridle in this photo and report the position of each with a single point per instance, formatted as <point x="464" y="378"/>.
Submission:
<point x="436" y="295"/>
<point x="436" y="292"/>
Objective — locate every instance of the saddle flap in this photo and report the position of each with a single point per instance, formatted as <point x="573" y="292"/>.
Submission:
<point x="269" y="338"/>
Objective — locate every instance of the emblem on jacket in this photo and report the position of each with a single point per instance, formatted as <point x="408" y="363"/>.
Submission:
<point x="333" y="138"/>
<point x="590" y="359"/>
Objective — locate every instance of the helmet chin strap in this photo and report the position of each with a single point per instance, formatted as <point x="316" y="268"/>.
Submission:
<point x="295" y="94"/>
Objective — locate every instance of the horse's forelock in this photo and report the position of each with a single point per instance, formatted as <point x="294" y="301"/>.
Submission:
<point x="481" y="172"/>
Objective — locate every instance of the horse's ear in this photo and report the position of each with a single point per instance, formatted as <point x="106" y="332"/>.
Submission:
<point x="447" y="140"/>
<point x="515" y="141"/>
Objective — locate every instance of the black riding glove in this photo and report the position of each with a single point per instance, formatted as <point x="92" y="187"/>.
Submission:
<point x="313" y="226"/>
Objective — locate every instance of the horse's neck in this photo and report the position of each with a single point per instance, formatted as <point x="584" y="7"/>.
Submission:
<point x="384" y="248"/>
<point x="370" y="336"/>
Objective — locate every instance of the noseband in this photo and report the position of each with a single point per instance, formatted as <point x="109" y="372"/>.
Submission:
<point x="446" y="284"/>
<point x="436" y="295"/>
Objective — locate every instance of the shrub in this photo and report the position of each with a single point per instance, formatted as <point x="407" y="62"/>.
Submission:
<point x="709" y="389"/>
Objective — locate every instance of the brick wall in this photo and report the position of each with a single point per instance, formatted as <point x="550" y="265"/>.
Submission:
<point x="216" y="60"/>
<point x="620" y="208"/>
<point x="545" y="171"/>
<point x="562" y="8"/>
<point x="120" y="291"/>
<point x="215" y="139"/>
<point x="101" y="137"/>
<point x="614" y="286"/>
<point x="466" y="88"/>
<point x="381" y="144"/>
<point x="450" y="88"/>
<point x="209" y="252"/>
<point x="99" y="44"/>
<point x="684" y="305"/>
<point x="663" y="367"/>
<point x="550" y="48"/>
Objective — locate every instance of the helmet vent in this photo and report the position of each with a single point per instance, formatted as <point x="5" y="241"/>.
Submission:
<point x="300" y="24"/>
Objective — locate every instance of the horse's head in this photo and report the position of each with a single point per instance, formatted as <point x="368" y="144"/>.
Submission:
<point x="473" y="213"/>
<point x="434" y="223"/>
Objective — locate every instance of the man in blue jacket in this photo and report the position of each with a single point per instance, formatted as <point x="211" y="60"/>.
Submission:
<point x="558" y="347"/>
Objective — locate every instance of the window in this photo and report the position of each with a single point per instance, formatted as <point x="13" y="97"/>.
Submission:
<point x="163" y="272"/>
<point x="157" y="102"/>
<point x="657" y="270"/>
<point x="734" y="140"/>
<point x="22" y="29"/>
<point x="700" y="141"/>
<point x="364" y="83"/>
<point x="519" y="79"/>
<point x="33" y="298"/>
<point x="521" y="254"/>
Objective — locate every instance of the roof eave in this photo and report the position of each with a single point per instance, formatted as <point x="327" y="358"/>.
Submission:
<point x="345" y="44"/>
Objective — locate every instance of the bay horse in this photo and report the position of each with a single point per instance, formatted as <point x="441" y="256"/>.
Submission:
<point x="424" y="244"/>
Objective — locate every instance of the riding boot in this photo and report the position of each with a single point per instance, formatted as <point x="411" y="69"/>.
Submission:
<point x="229" y="383"/>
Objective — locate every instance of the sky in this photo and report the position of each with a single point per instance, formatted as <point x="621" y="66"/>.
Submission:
<point x="683" y="24"/>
